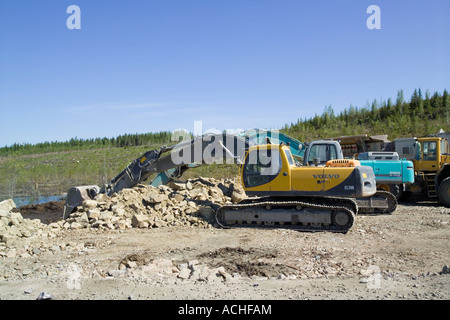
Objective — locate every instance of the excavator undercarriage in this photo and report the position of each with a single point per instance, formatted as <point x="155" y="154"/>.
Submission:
<point x="304" y="214"/>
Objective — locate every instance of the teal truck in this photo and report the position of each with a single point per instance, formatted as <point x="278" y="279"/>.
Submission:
<point x="391" y="173"/>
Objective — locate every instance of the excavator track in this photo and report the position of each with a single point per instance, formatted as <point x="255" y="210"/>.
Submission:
<point x="382" y="202"/>
<point x="304" y="214"/>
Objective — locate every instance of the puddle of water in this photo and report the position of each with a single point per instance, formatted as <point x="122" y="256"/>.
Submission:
<point x="23" y="201"/>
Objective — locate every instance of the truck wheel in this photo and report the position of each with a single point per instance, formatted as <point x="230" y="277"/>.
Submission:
<point x="395" y="189"/>
<point x="405" y="196"/>
<point x="444" y="192"/>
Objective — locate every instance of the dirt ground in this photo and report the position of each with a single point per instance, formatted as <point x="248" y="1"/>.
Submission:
<point x="400" y="256"/>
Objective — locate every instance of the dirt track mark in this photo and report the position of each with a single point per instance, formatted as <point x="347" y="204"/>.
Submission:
<point x="251" y="262"/>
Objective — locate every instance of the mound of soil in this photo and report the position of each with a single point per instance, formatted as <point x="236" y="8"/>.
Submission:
<point x="46" y="212"/>
<point x="43" y="207"/>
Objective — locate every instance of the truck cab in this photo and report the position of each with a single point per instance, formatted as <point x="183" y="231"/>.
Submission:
<point x="428" y="154"/>
<point x="431" y="158"/>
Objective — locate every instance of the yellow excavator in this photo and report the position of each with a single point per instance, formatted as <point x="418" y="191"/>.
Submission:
<point x="280" y="192"/>
<point x="313" y="198"/>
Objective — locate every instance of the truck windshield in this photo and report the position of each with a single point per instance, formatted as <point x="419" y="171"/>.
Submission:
<point x="444" y="147"/>
<point x="429" y="150"/>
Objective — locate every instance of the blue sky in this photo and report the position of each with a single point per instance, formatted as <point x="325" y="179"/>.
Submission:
<point x="148" y="66"/>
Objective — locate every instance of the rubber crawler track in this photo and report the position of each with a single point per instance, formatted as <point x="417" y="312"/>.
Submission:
<point x="346" y="205"/>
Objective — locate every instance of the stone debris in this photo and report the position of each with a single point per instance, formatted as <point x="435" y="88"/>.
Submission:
<point x="163" y="270"/>
<point x="190" y="203"/>
<point x="445" y="269"/>
<point x="44" y="296"/>
<point x="6" y="207"/>
<point x="13" y="225"/>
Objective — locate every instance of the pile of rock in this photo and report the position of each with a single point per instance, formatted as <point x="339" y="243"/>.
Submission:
<point x="165" y="270"/>
<point x="189" y="203"/>
<point x="13" y="225"/>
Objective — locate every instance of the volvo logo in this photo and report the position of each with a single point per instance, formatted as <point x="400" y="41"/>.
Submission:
<point x="326" y="176"/>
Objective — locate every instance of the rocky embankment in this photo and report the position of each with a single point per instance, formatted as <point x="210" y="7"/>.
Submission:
<point x="187" y="203"/>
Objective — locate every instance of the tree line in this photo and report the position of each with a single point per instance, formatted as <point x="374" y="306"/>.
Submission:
<point x="420" y="116"/>
<point x="126" y="140"/>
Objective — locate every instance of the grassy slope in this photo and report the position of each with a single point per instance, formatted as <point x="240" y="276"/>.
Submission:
<point x="54" y="173"/>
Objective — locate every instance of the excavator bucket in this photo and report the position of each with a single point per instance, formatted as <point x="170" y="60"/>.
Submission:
<point x="76" y="196"/>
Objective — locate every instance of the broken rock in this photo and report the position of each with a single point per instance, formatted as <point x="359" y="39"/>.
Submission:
<point x="238" y="195"/>
<point x="139" y="221"/>
<point x="89" y="204"/>
<point x="6" y="206"/>
<point x="16" y="218"/>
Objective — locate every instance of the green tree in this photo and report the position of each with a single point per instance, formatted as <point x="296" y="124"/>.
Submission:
<point x="446" y="106"/>
<point x="400" y="101"/>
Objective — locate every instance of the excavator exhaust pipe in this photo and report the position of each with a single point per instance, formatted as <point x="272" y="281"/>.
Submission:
<point x="76" y="196"/>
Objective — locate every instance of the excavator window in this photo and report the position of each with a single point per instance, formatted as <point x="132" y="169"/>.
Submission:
<point x="261" y="166"/>
<point x="289" y="157"/>
<point x="322" y="152"/>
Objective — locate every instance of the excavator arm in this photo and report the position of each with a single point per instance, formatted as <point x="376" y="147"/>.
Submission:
<point x="254" y="137"/>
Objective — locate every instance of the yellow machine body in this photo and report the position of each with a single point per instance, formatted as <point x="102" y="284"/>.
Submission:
<point x="269" y="170"/>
